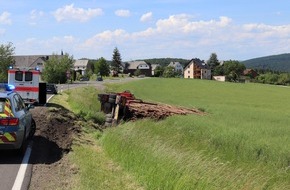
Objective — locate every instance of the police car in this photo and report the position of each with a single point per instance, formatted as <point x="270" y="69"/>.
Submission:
<point x="16" y="122"/>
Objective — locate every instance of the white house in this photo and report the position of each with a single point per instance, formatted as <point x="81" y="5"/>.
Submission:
<point x="177" y="66"/>
<point x="81" y="66"/>
<point x="197" y="69"/>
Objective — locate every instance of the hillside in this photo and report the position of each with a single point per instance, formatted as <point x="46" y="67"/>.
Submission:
<point x="275" y="62"/>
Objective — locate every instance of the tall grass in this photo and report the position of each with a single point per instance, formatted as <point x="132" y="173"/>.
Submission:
<point x="93" y="168"/>
<point x="84" y="102"/>
<point x="242" y="143"/>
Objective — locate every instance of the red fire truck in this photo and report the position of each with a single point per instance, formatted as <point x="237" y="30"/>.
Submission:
<point x="26" y="82"/>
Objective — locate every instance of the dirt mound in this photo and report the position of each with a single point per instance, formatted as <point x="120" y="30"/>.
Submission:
<point x="137" y="110"/>
<point x="55" y="125"/>
<point x="56" y="128"/>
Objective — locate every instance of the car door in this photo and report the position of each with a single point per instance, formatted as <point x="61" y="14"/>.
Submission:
<point x="23" y="114"/>
<point x="3" y="128"/>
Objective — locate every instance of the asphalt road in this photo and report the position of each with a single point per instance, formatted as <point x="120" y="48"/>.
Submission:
<point x="9" y="166"/>
<point x="10" y="162"/>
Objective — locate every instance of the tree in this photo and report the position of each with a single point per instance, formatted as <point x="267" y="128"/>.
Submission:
<point x="116" y="61"/>
<point x="284" y="79"/>
<point x="158" y="72"/>
<point x="126" y="68"/>
<point x="6" y="59"/>
<point x="56" y="68"/>
<point x="213" y="61"/>
<point x="169" y="72"/>
<point x="91" y="66"/>
<point x="219" y="70"/>
<point x="233" y="69"/>
<point x="101" y="67"/>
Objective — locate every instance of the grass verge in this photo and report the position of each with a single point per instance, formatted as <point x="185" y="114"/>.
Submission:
<point x="242" y="143"/>
<point x="96" y="170"/>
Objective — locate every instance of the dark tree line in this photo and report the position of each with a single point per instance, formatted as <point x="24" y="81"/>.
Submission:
<point x="271" y="63"/>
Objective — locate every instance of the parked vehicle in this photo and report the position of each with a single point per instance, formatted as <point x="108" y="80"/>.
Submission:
<point x="51" y="88"/>
<point x="99" y="78"/>
<point x="27" y="83"/>
<point x="84" y="79"/>
<point x="16" y="122"/>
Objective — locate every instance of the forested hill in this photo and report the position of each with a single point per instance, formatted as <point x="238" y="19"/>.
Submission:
<point x="165" y="61"/>
<point x="275" y="63"/>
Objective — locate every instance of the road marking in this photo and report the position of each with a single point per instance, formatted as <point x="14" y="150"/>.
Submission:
<point x="49" y="98"/>
<point x="22" y="170"/>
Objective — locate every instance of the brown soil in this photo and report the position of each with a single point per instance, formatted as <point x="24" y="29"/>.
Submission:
<point x="56" y="128"/>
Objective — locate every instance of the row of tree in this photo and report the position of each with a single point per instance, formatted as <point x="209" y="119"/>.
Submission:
<point x="57" y="68"/>
<point x="273" y="78"/>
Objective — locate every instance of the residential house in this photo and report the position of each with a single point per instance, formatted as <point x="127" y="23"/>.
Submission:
<point x="153" y="67"/>
<point x="142" y="66"/>
<point x="178" y="68"/>
<point x="250" y="73"/>
<point x="30" y="61"/>
<point x="197" y="69"/>
<point x="81" y="65"/>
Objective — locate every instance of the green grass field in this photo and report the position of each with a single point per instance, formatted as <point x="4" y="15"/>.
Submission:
<point x="242" y="143"/>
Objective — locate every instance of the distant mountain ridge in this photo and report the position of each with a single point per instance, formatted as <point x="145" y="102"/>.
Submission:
<point x="279" y="62"/>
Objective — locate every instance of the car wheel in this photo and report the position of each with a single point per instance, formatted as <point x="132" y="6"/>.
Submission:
<point x="22" y="149"/>
<point x="32" y="128"/>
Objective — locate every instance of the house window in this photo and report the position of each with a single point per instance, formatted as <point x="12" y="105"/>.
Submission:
<point x="39" y="63"/>
<point x="188" y="72"/>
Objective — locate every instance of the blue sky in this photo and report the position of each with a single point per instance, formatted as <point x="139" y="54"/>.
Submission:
<point x="236" y="30"/>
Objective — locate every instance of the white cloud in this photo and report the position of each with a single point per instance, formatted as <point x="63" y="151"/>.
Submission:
<point x="107" y="37"/>
<point x="123" y="13"/>
<point x="5" y="18"/>
<point x="177" y="36"/>
<point x="170" y="35"/>
<point x="69" y="12"/>
<point x="146" y="17"/>
<point x="35" y="16"/>
<point x="181" y="36"/>
<point x="47" y="46"/>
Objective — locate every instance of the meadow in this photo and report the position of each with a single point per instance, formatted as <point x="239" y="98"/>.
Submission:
<point x="241" y="143"/>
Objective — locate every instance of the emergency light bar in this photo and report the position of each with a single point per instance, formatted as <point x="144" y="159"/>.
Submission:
<point x="6" y="87"/>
